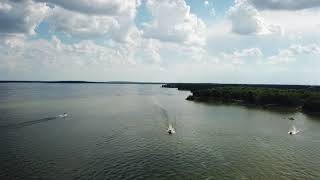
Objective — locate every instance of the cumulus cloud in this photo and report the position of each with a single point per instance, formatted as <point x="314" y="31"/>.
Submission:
<point x="312" y="49"/>
<point x="21" y="17"/>
<point x="246" y="19"/>
<point x="119" y="28"/>
<point x="53" y="59"/>
<point x="285" y="4"/>
<point x="292" y="52"/>
<point x="102" y="7"/>
<point x="111" y="18"/>
<point x="81" y="24"/>
<point x="13" y="41"/>
<point x="5" y="7"/>
<point x="239" y="57"/>
<point x="55" y="53"/>
<point x="172" y="21"/>
<point x="149" y="51"/>
<point x="294" y="22"/>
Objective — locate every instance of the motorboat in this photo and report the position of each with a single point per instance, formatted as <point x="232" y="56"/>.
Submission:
<point x="64" y="115"/>
<point x="293" y="131"/>
<point x="171" y="130"/>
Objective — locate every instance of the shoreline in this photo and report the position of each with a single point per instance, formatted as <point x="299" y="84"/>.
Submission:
<point x="304" y="99"/>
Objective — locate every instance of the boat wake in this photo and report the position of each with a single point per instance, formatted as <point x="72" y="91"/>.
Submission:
<point x="29" y="123"/>
<point x="165" y="116"/>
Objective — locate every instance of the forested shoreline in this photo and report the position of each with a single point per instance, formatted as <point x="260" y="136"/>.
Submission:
<point x="300" y="97"/>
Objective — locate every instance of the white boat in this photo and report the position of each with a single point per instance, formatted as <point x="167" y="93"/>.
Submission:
<point x="63" y="115"/>
<point x="293" y="131"/>
<point x="171" y="130"/>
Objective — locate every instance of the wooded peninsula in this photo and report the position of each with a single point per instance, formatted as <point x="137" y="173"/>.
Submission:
<point x="300" y="97"/>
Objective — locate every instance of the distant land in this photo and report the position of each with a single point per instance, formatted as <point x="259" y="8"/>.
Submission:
<point x="83" y="82"/>
<point x="301" y="97"/>
<point x="304" y="98"/>
<point x="179" y="86"/>
<point x="198" y="86"/>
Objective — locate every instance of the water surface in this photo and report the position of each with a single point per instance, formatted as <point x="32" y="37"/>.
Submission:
<point x="119" y="132"/>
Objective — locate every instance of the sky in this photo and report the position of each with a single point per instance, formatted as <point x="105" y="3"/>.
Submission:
<point x="217" y="41"/>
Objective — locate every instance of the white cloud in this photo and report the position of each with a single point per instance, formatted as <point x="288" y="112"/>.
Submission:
<point x="206" y="3"/>
<point x="55" y="54"/>
<point x="119" y="28"/>
<point x="5" y="7"/>
<point x="252" y="52"/>
<point x="21" y="17"/>
<point x="164" y="53"/>
<point x="148" y="51"/>
<point x="55" y="59"/>
<point x="311" y="49"/>
<point x="81" y="24"/>
<point x="247" y="20"/>
<point x="294" y="51"/>
<point x="14" y="41"/>
<point x="239" y="57"/>
<point x="172" y="21"/>
<point x="98" y="7"/>
<point x="110" y="19"/>
<point x="285" y="4"/>
<point x="301" y="22"/>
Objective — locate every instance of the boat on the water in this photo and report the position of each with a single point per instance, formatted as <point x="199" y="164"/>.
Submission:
<point x="171" y="130"/>
<point x="64" y="115"/>
<point x="293" y="131"/>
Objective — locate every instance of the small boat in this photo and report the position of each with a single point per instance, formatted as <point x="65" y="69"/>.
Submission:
<point x="63" y="115"/>
<point x="171" y="130"/>
<point x="293" y="131"/>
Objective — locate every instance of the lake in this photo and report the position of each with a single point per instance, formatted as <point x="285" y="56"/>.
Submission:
<point x="119" y="132"/>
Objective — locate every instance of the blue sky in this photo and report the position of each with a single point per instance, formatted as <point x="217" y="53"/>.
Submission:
<point x="230" y="41"/>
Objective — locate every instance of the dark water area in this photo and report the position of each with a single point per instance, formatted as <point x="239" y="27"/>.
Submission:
<point x="119" y="132"/>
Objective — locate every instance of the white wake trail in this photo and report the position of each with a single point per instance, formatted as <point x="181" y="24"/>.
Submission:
<point x="164" y="114"/>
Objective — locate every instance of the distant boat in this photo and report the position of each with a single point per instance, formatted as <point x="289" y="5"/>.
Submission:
<point x="293" y="131"/>
<point x="64" y="115"/>
<point x="171" y="130"/>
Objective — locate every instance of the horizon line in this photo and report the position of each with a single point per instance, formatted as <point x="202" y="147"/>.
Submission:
<point x="139" y="82"/>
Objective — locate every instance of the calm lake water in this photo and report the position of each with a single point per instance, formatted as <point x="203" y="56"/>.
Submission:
<point x="119" y="132"/>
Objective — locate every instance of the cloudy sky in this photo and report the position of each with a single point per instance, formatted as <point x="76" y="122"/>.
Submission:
<point x="223" y="41"/>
